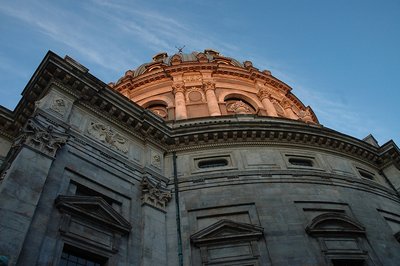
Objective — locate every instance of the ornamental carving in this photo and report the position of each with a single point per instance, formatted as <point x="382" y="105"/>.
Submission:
<point x="238" y="107"/>
<point x="209" y="85"/>
<point x="154" y="195"/>
<point x="159" y="110"/>
<point x="155" y="159"/>
<point x="58" y="105"/>
<point x="286" y="103"/>
<point x="108" y="136"/>
<point x="192" y="78"/>
<point x="305" y="116"/>
<point x="178" y="87"/>
<point x="195" y="94"/>
<point x="264" y="93"/>
<point x="42" y="138"/>
<point x="278" y="108"/>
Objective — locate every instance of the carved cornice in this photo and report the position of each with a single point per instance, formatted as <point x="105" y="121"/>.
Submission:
<point x="192" y="134"/>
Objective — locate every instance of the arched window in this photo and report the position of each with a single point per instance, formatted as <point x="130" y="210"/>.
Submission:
<point x="342" y="239"/>
<point x="239" y="106"/>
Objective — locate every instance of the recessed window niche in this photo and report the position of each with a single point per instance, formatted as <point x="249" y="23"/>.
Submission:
<point x="212" y="163"/>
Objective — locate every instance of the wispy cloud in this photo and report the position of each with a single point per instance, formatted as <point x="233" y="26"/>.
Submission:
<point x="127" y="29"/>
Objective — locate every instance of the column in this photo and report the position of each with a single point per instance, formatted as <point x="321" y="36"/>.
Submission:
<point x="180" y="103"/>
<point x="264" y="96"/>
<point x="212" y="102"/>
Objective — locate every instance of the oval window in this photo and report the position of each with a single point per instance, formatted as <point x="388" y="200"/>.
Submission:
<point x="366" y="175"/>
<point x="212" y="163"/>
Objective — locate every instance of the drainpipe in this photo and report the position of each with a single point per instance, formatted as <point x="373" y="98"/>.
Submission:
<point x="178" y="218"/>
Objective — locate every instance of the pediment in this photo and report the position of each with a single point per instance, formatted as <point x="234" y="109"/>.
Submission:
<point x="93" y="208"/>
<point x="334" y="223"/>
<point x="227" y="230"/>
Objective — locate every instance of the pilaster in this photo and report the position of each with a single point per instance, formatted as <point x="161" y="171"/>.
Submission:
<point x="154" y="234"/>
<point x="22" y="183"/>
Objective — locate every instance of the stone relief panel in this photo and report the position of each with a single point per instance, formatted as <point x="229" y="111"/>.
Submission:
<point x="195" y="95"/>
<point x="108" y="136"/>
<point x="56" y="103"/>
<point x="59" y="106"/>
<point x="156" y="159"/>
<point x="239" y="107"/>
<point x="192" y="78"/>
<point x="159" y="110"/>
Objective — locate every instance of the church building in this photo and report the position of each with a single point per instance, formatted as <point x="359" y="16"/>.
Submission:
<point x="190" y="159"/>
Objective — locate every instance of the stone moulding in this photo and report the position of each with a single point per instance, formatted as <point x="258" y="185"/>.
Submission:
<point x="334" y="224"/>
<point x="93" y="208"/>
<point x="226" y="231"/>
<point x="97" y="96"/>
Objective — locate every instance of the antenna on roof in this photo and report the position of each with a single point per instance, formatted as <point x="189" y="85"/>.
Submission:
<point x="180" y="49"/>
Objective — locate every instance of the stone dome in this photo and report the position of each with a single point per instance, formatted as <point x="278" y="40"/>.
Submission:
<point x="201" y="84"/>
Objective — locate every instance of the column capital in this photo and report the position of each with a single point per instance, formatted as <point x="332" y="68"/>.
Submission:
<point x="208" y="85"/>
<point x="42" y="138"/>
<point x="263" y="93"/>
<point x="155" y="195"/>
<point x="178" y="87"/>
<point x="286" y="103"/>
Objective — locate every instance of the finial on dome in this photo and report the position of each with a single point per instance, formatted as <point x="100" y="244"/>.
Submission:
<point x="211" y="52"/>
<point x="160" y="56"/>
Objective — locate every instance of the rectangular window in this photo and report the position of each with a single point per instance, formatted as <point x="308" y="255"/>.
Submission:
<point x="347" y="262"/>
<point x="85" y="191"/>
<point x="75" y="257"/>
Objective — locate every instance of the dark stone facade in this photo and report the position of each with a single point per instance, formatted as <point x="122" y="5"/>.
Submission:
<point x="88" y="173"/>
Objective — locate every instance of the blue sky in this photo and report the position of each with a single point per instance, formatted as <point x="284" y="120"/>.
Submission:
<point x="340" y="57"/>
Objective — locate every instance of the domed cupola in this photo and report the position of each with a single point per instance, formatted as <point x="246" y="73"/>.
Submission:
<point x="202" y="84"/>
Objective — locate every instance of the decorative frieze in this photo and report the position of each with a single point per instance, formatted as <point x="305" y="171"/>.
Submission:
<point x="107" y="135"/>
<point x="154" y="195"/>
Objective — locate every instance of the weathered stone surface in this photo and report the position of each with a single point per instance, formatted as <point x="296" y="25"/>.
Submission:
<point x="96" y="173"/>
